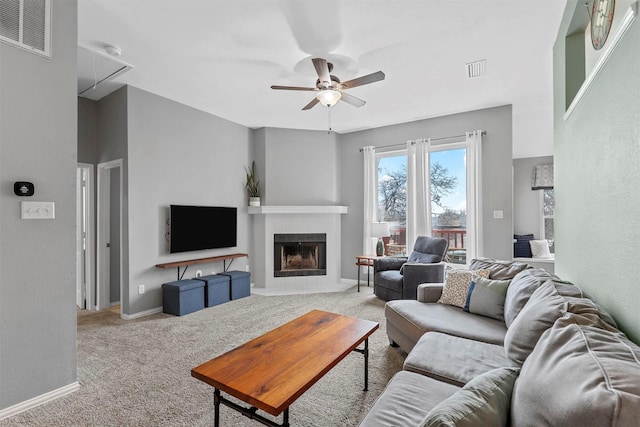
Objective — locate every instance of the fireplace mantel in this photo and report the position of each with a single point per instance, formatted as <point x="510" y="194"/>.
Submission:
<point x="329" y="209"/>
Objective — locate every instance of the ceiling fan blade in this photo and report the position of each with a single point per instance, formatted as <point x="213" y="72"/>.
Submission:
<point x="322" y="69"/>
<point x="364" y="80"/>
<point x="310" y="105"/>
<point x="352" y="100"/>
<point x="292" y="88"/>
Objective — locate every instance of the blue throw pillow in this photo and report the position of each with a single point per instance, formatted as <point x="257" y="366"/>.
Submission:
<point x="486" y="297"/>
<point x="521" y="248"/>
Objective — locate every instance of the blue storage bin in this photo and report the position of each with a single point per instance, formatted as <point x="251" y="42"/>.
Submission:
<point x="240" y="283"/>
<point x="182" y="297"/>
<point x="217" y="289"/>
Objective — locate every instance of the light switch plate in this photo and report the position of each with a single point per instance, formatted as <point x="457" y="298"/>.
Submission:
<point x="498" y="214"/>
<point x="37" y="210"/>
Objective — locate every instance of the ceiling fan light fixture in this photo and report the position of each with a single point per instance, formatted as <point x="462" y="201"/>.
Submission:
<point x="329" y="97"/>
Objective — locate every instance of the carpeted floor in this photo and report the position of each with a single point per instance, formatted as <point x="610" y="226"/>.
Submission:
<point x="137" y="372"/>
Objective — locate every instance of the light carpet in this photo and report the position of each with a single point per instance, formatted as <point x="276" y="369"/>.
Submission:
<point x="137" y="372"/>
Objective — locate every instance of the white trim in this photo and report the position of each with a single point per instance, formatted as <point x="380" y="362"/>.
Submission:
<point x="90" y="267"/>
<point x="38" y="400"/>
<point x="264" y="210"/>
<point x="141" y="313"/>
<point x="102" y="291"/>
<point x="629" y="17"/>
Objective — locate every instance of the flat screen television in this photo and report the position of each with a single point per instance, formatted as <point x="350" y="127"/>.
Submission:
<point x="195" y="228"/>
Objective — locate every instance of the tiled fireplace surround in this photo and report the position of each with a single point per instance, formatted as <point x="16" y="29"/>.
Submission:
<point x="271" y="220"/>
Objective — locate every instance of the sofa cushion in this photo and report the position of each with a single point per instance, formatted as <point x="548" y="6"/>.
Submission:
<point x="414" y="318"/>
<point x="501" y="270"/>
<point x="391" y="279"/>
<point x="406" y="400"/>
<point x="424" y="258"/>
<point x="456" y="285"/>
<point x="484" y="401"/>
<point x="583" y="372"/>
<point x="548" y="303"/>
<point x="521" y="288"/>
<point x="486" y="297"/>
<point x="452" y="359"/>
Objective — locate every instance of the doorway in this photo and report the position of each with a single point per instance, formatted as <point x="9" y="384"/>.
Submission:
<point x="109" y="240"/>
<point x="85" y="237"/>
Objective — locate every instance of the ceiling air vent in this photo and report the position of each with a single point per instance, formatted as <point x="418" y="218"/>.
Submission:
<point x="476" y="68"/>
<point x="27" y="24"/>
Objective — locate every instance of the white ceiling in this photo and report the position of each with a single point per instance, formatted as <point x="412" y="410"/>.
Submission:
<point x="223" y="56"/>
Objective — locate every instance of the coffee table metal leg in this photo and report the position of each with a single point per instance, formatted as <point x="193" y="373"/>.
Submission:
<point x="216" y="405"/>
<point x="365" y="351"/>
<point x="366" y="364"/>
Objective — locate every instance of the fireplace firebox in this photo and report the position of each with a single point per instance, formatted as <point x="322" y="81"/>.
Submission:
<point x="299" y="254"/>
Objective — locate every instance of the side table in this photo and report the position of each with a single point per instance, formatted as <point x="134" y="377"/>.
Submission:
<point x="365" y="261"/>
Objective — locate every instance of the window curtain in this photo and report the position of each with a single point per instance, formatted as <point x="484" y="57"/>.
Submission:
<point x="542" y="177"/>
<point x="418" y="191"/>
<point x="474" y="194"/>
<point x="370" y="200"/>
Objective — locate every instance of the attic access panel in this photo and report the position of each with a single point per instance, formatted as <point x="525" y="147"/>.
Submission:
<point x="96" y="68"/>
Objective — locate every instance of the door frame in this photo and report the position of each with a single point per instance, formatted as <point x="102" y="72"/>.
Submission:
<point x="103" y="225"/>
<point x="85" y="292"/>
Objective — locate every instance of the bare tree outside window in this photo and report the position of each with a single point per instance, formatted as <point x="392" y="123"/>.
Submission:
<point x="392" y="190"/>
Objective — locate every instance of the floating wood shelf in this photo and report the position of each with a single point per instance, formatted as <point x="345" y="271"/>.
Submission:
<point x="187" y="262"/>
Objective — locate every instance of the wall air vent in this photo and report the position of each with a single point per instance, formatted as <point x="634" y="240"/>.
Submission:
<point x="476" y="68"/>
<point x="27" y="24"/>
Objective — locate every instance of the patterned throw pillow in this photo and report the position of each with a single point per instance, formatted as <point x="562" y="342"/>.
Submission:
<point x="456" y="286"/>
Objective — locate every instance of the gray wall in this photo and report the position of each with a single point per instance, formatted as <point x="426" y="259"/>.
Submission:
<point x="177" y="155"/>
<point x="596" y="161"/>
<point x="527" y="214"/>
<point x="87" y="131"/>
<point x="112" y="131"/>
<point x="497" y="191"/>
<point x="38" y="132"/>
<point x="298" y="167"/>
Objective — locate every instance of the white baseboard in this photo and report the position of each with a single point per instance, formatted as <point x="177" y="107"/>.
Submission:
<point x="141" y="313"/>
<point x="38" y="400"/>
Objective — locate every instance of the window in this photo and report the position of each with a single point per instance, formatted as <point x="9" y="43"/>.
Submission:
<point x="392" y="200"/>
<point x="449" y="198"/>
<point x="548" y="208"/>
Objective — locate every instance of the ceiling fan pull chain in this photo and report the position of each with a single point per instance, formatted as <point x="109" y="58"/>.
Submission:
<point x="329" y="108"/>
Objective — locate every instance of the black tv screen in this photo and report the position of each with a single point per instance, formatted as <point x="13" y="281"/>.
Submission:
<point x="195" y="228"/>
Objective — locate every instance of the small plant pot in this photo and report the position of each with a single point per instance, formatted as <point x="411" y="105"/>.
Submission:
<point x="254" y="201"/>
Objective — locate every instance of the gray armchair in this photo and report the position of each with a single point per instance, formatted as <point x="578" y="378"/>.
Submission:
<point x="399" y="277"/>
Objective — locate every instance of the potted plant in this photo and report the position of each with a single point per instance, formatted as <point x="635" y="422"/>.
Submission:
<point x="253" y="185"/>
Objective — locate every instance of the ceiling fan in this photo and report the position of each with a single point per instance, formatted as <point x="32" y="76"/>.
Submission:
<point x="330" y="89"/>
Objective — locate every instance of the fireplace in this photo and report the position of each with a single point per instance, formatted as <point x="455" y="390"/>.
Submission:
<point x="299" y="255"/>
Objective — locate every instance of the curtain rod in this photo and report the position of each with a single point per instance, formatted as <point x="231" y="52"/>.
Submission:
<point x="484" y="132"/>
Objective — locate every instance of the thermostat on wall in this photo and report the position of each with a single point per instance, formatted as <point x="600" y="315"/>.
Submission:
<point x="23" y="188"/>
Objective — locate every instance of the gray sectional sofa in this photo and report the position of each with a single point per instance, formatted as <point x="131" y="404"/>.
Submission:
<point x="556" y="358"/>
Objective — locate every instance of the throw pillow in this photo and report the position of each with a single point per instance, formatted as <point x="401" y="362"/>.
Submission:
<point x="456" y="286"/>
<point x="483" y="401"/>
<point x="521" y="247"/>
<point x="540" y="249"/>
<point x="486" y="297"/>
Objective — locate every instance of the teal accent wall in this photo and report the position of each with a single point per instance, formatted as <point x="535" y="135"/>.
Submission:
<point x="597" y="178"/>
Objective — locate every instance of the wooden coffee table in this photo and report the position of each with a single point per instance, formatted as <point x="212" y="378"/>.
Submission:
<point x="270" y="372"/>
